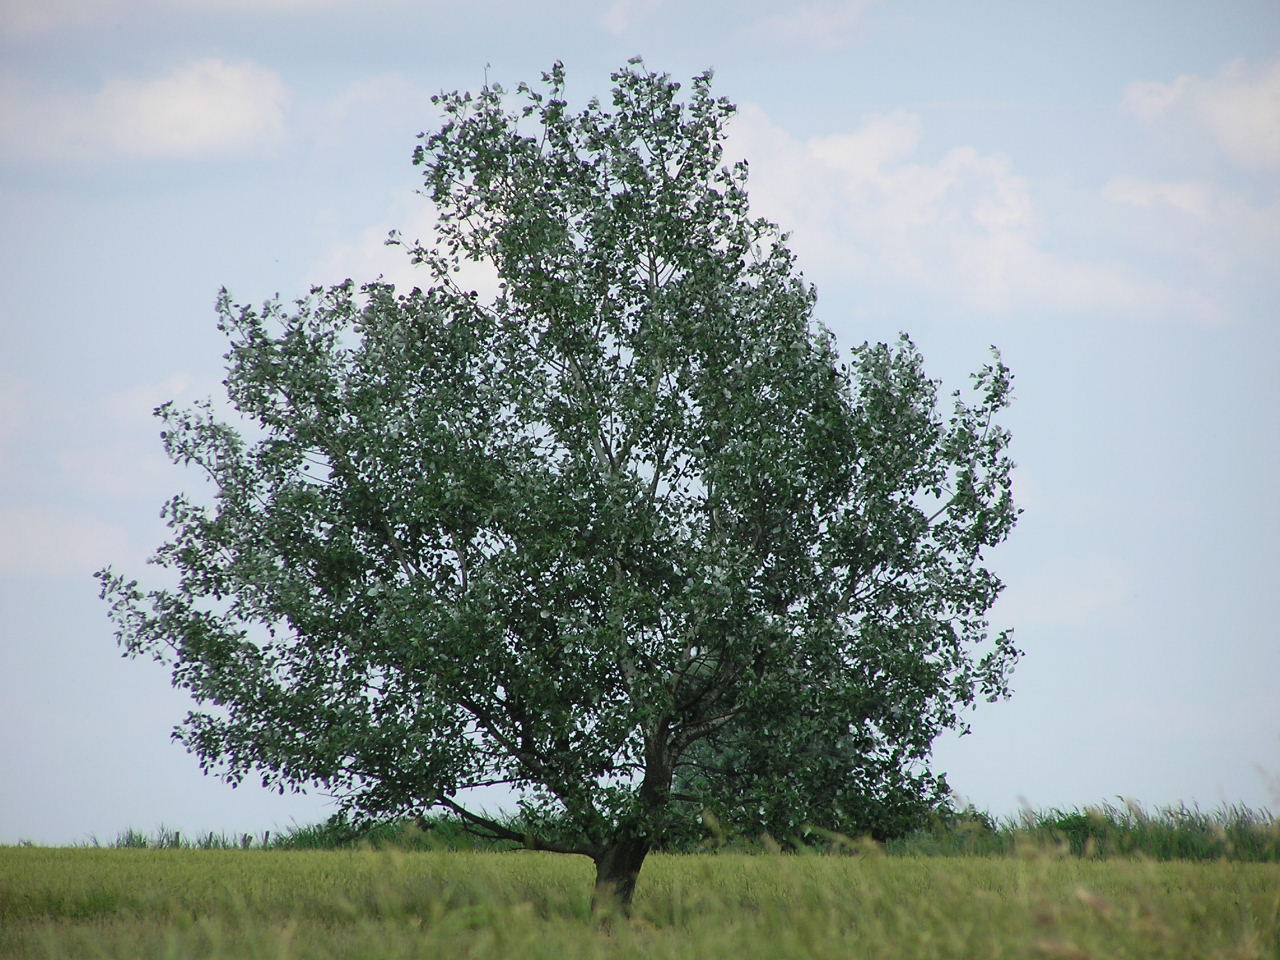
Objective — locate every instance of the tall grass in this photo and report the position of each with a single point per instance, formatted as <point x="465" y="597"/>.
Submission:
<point x="389" y="904"/>
<point x="336" y="833"/>
<point x="1235" y="832"/>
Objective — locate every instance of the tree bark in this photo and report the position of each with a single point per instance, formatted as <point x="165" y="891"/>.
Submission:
<point x="617" y="868"/>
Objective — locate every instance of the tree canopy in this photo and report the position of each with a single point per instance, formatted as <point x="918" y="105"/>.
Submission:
<point x="628" y="537"/>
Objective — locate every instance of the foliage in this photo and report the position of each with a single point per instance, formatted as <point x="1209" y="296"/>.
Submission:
<point x="629" y="537"/>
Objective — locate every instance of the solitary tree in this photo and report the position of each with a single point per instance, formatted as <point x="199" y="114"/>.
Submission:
<point x="627" y="536"/>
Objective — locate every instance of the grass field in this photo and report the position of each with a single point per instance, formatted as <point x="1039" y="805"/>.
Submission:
<point x="351" y="904"/>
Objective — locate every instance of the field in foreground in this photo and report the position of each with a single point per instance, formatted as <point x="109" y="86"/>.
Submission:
<point x="390" y="904"/>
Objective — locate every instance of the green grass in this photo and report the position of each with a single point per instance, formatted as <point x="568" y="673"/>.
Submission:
<point x="1107" y="881"/>
<point x="351" y="904"/>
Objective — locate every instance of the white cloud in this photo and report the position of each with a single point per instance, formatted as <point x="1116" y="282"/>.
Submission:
<point x="882" y="139"/>
<point x="21" y="19"/>
<point x="826" y="25"/>
<point x="367" y="256"/>
<point x="15" y="407"/>
<point x="135" y="406"/>
<point x="623" y="15"/>
<point x="382" y="108"/>
<point x="122" y="471"/>
<point x="1187" y="196"/>
<point x="1239" y="109"/>
<point x="56" y="541"/>
<point x="963" y="227"/>
<point x="1213" y="226"/>
<point x="210" y="107"/>
<point x="120" y="454"/>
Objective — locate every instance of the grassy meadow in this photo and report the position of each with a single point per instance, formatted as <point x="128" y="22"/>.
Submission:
<point x="1032" y="900"/>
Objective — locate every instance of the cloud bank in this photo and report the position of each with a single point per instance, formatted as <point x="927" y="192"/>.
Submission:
<point x="206" y="108"/>
<point x="962" y="228"/>
<point x="28" y="19"/>
<point x="623" y="15"/>
<point x="828" y="25"/>
<point x="1238" y="109"/>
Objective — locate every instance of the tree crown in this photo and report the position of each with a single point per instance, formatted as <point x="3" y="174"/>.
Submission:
<point x="628" y="537"/>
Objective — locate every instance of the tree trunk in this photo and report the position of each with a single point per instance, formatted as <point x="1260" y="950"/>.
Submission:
<point x="617" y="868"/>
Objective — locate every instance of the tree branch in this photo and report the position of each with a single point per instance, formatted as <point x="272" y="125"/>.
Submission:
<point x="498" y="831"/>
<point x="691" y="734"/>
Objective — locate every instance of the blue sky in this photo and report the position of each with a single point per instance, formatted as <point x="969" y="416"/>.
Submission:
<point x="1094" y="187"/>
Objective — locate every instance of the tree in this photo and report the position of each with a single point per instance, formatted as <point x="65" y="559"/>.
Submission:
<point x="627" y="537"/>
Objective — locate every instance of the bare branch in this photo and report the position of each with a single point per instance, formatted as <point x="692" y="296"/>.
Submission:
<point x="498" y="831"/>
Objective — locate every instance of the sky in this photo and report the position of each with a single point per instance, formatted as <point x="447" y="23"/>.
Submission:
<point x="1092" y="187"/>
